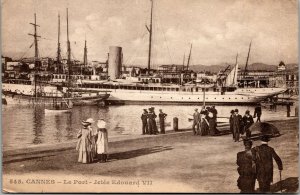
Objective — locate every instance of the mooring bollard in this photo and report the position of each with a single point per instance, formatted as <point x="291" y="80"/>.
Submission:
<point x="175" y="124"/>
<point x="288" y="110"/>
<point x="296" y="111"/>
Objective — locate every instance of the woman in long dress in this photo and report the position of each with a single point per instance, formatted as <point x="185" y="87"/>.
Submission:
<point x="102" y="141"/>
<point x="84" y="144"/>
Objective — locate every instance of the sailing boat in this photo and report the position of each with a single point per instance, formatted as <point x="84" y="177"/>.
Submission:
<point x="22" y="92"/>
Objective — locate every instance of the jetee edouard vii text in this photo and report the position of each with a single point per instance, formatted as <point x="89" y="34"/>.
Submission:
<point x="33" y="181"/>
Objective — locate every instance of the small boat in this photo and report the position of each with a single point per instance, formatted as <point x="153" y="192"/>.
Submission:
<point x="59" y="107"/>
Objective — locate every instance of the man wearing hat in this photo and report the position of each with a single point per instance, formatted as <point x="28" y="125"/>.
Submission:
<point x="263" y="158"/>
<point x="248" y="121"/>
<point x="151" y="121"/>
<point x="257" y="112"/>
<point x="237" y="124"/>
<point x="162" y="117"/>
<point x="196" y="117"/>
<point x="231" y="123"/>
<point x="144" y="122"/>
<point x="246" y="169"/>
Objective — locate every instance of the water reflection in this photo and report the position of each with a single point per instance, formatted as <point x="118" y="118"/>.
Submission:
<point x="32" y="126"/>
<point x="38" y="121"/>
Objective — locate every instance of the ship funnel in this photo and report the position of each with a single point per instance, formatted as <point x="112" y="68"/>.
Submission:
<point x="114" y="62"/>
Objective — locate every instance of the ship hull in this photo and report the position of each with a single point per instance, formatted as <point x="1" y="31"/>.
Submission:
<point x="123" y="96"/>
<point x="182" y="98"/>
<point x="22" y="94"/>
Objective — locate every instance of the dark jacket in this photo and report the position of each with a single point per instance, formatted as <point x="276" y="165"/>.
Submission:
<point x="246" y="170"/>
<point x="248" y="121"/>
<point x="257" y="111"/>
<point x="237" y="123"/>
<point x="263" y="157"/>
<point x="162" y="116"/>
<point x="144" y="117"/>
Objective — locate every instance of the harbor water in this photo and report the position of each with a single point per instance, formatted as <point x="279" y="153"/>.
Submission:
<point x="29" y="126"/>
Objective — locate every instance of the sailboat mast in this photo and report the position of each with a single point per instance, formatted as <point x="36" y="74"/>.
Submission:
<point x="150" y="36"/>
<point x="183" y="61"/>
<point x="246" y="66"/>
<point x="85" y="55"/>
<point x="58" y="58"/>
<point x="36" y="49"/>
<point x="69" y="46"/>
<point x="188" y="63"/>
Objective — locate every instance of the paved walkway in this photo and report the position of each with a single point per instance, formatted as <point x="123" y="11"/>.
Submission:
<point x="175" y="162"/>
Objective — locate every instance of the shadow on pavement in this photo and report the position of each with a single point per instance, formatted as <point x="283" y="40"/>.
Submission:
<point x="138" y="152"/>
<point x="288" y="185"/>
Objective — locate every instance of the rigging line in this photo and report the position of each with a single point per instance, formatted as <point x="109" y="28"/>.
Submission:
<point x="136" y="49"/>
<point x="26" y="52"/>
<point x="165" y="39"/>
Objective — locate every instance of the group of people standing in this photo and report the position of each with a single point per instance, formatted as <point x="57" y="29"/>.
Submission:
<point x="92" y="142"/>
<point x="205" y="121"/>
<point x="240" y="125"/>
<point x="257" y="164"/>
<point x="149" y="125"/>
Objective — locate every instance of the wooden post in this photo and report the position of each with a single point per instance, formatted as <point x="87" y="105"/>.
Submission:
<point x="296" y="111"/>
<point x="175" y="124"/>
<point x="288" y="110"/>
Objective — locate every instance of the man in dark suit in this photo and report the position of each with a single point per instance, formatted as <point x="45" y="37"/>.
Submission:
<point x="237" y="124"/>
<point x="263" y="157"/>
<point x="248" y="121"/>
<point x="144" y="122"/>
<point x="257" y="113"/>
<point x="231" y="123"/>
<point x="162" y="116"/>
<point x="246" y="169"/>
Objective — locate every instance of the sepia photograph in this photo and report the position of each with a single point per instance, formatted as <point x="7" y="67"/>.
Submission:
<point x="150" y="96"/>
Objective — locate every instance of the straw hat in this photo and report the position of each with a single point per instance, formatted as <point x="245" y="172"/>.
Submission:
<point x="101" y="124"/>
<point x="88" y="121"/>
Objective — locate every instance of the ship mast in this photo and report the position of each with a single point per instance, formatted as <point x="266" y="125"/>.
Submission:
<point x="58" y="58"/>
<point x="85" y="55"/>
<point x="36" y="51"/>
<point x="150" y="36"/>
<point x="69" y="48"/>
<point x="246" y="66"/>
<point x="183" y="61"/>
<point x="188" y="63"/>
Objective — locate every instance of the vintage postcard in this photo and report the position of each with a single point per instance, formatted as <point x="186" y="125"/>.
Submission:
<point x="150" y="96"/>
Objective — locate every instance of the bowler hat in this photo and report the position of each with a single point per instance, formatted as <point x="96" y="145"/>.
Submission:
<point x="265" y="138"/>
<point x="232" y="111"/>
<point x="247" y="112"/>
<point x="236" y="110"/>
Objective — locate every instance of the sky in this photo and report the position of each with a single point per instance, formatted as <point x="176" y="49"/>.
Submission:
<point x="217" y="29"/>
